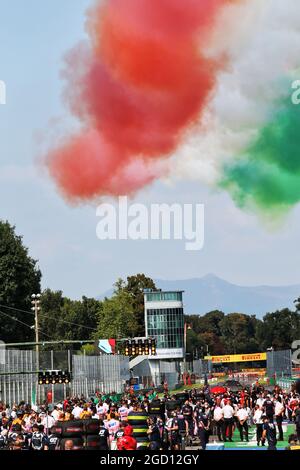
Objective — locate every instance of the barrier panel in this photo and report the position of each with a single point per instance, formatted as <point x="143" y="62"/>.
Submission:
<point x="18" y="375"/>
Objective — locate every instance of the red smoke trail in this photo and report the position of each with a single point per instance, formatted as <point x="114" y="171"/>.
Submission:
<point x="144" y="80"/>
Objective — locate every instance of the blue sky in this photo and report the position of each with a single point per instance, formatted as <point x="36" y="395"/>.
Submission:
<point x="34" y="36"/>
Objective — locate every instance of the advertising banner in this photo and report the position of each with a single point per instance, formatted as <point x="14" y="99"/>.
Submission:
<point x="237" y="358"/>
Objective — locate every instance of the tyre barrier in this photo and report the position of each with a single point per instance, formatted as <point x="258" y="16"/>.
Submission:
<point x="140" y="431"/>
<point x="137" y="418"/>
<point x="92" y="442"/>
<point x="69" y="428"/>
<point x="78" y="443"/>
<point x="91" y="426"/>
<point x="142" y="443"/>
<point x="84" y="433"/>
<point x="139" y="422"/>
<point x="156" y="408"/>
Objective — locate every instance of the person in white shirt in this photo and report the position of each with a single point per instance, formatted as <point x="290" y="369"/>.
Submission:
<point x="279" y="413"/>
<point x="260" y="401"/>
<point x="95" y="414"/>
<point x="242" y="416"/>
<point x="48" y="421"/>
<point x="123" y="411"/>
<point x="77" y="412"/>
<point x="219" y="421"/>
<point x="258" y="421"/>
<point x="228" y="413"/>
<point x="55" y="413"/>
<point x="102" y="408"/>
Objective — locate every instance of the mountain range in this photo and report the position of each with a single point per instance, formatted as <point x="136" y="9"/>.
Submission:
<point x="202" y="295"/>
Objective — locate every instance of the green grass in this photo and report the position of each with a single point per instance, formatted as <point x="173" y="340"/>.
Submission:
<point x="237" y="444"/>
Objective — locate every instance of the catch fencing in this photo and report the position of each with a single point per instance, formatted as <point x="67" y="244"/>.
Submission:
<point x="16" y="380"/>
<point x="279" y="363"/>
<point x="18" y="375"/>
<point x="102" y="373"/>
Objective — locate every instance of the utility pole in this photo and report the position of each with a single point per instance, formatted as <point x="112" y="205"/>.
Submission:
<point x="186" y="327"/>
<point x="36" y="308"/>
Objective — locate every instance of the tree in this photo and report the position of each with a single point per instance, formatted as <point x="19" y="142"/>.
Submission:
<point x="213" y="344"/>
<point x="89" y="350"/>
<point x="193" y="344"/>
<point x="19" y="278"/>
<point x="208" y="322"/>
<point x="64" y="319"/>
<point x="117" y="318"/>
<point x="135" y="286"/>
<point x="239" y="333"/>
<point x="279" y="329"/>
<point x="50" y="325"/>
<point x="205" y="333"/>
<point x="81" y="317"/>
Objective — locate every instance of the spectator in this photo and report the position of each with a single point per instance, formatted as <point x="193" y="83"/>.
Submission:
<point x="127" y="442"/>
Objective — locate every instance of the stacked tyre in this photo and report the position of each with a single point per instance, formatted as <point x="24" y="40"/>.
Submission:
<point x="70" y="431"/>
<point x="139" y="422"/>
<point x="91" y="431"/>
<point x="83" y="433"/>
<point x="157" y="408"/>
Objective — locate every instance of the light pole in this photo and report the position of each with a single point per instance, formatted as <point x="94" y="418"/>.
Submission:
<point x="36" y="308"/>
<point x="186" y="327"/>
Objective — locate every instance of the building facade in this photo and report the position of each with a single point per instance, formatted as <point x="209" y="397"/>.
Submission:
<point x="164" y="321"/>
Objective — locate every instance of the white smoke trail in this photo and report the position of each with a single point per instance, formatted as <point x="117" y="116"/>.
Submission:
<point x="262" y="40"/>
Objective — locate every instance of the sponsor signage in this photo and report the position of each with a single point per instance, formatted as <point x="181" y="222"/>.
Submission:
<point x="169" y="353"/>
<point x="237" y="358"/>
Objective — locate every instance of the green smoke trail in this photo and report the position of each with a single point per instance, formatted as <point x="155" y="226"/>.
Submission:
<point x="267" y="175"/>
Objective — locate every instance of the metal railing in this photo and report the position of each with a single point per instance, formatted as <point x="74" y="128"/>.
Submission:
<point x="18" y="375"/>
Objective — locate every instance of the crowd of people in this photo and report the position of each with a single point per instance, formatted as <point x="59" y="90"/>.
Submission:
<point x="170" y="422"/>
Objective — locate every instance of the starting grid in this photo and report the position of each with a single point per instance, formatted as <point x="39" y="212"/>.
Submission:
<point x="252" y="444"/>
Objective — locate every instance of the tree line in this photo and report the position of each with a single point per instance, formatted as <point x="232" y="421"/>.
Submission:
<point x="121" y="315"/>
<point x="216" y="333"/>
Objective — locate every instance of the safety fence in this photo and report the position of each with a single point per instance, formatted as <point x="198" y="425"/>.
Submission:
<point x="279" y="363"/>
<point x="15" y="385"/>
<point x="18" y="375"/>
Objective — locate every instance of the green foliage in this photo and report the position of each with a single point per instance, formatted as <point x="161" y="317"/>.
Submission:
<point x="279" y="329"/>
<point x="65" y="319"/>
<point x="117" y="317"/>
<point x="208" y="322"/>
<point x="120" y="316"/>
<point x="238" y="333"/>
<point x="135" y="286"/>
<point x="19" y="278"/>
<point x="89" y="350"/>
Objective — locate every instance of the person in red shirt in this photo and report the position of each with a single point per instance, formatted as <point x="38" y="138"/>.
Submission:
<point x="66" y="404"/>
<point x="127" y="442"/>
<point x="242" y="398"/>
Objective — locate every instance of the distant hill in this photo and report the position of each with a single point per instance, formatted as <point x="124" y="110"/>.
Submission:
<point x="211" y="292"/>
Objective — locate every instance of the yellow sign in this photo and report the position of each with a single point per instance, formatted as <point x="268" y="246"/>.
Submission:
<point x="237" y="358"/>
